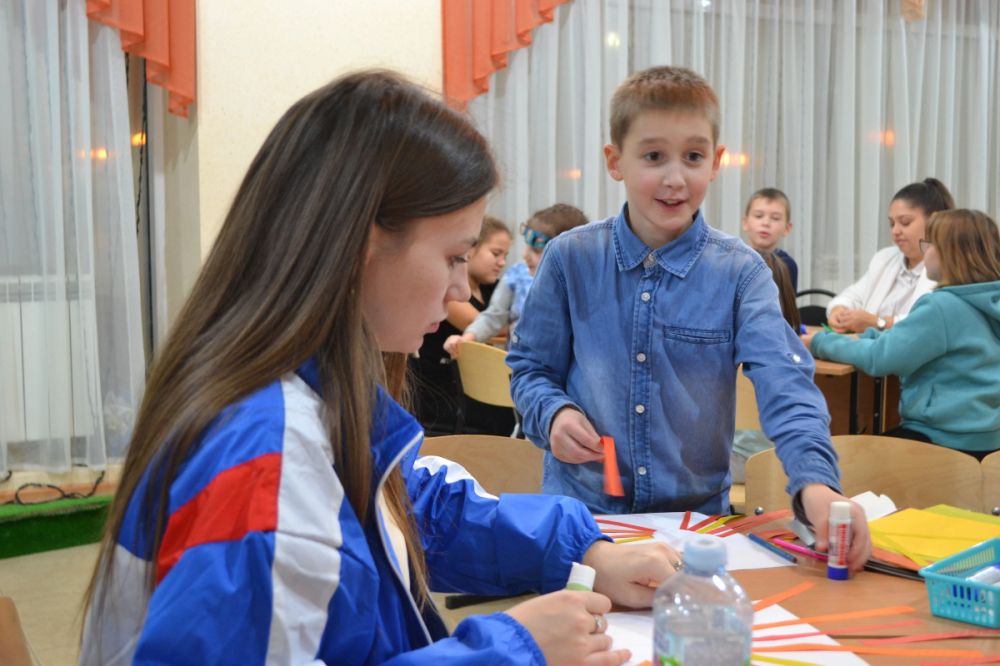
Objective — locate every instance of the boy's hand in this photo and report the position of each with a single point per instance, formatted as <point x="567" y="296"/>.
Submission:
<point x="630" y="574"/>
<point x="843" y="320"/>
<point x="816" y="499"/>
<point x="572" y="438"/>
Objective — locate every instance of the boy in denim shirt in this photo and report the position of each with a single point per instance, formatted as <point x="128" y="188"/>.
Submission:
<point x="637" y="324"/>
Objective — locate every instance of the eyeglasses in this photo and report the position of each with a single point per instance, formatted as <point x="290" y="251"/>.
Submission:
<point x="534" y="239"/>
<point x="924" y="244"/>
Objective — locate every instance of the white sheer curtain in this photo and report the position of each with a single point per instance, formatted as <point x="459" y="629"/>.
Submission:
<point x="839" y="103"/>
<point x="71" y="354"/>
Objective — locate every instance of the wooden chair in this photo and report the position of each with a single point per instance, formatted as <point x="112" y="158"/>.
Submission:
<point x="13" y="644"/>
<point x="484" y="375"/>
<point x="500" y="464"/>
<point x="990" y="467"/>
<point x="747" y="413"/>
<point x="913" y="474"/>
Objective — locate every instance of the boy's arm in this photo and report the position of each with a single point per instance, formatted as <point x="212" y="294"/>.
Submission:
<point x="496" y="316"/>
<point x="541" y="350"/>
<point x="793" y="412"/>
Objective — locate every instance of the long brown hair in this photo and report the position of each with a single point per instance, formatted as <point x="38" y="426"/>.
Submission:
<point x="786" y="292"/>
<point x="968" y="246"/>
<point x="282" y="284"/>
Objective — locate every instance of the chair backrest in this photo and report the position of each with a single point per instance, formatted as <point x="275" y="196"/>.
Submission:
<point x="990" y="468"/>
<point x="913" y="474"/>
<point x="747" y="414"/>
<point x="500" y="464"/>
<point x="813" y="315"/>
<point x="484" y="373"/>
<point x="13" y="644"/>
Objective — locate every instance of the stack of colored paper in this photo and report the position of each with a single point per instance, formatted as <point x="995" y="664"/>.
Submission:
<point x="928" y="535"/>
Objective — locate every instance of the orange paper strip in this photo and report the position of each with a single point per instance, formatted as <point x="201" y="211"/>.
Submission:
<point x="846" y="632"/>
<point x="859" y="649"/>
<point x="612" y="477"/>
<point x="920" y="638"/>
<point x="778" y="597"/>
<point x="963" y="662"/>
<point x="850" y="615"/>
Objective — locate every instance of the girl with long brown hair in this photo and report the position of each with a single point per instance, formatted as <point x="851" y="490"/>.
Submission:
<point x="947" y="351"/>
<point x="272" y="506"/>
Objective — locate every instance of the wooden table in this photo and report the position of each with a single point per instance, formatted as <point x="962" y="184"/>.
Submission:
<point x="863" y="591"/>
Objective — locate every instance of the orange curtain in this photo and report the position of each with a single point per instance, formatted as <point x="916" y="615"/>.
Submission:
<point x="162" y="32"/>
<point x="478" y="35"/>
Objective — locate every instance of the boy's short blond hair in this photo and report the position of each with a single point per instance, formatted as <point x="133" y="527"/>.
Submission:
<point x="662" y="89"/>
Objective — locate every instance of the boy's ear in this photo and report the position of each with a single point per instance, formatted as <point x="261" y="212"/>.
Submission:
<point x="717" y="161"/>
<point x="612" y="156"/>
<point x="745" y="223"/>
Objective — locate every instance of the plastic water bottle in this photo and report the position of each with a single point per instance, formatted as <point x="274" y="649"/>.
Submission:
<point x="701" y="616"/>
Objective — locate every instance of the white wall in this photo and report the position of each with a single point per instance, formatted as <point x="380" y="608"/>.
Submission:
<point x="255" y="58"/>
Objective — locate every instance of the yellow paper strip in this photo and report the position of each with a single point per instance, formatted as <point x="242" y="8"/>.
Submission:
<point x="764" y="659"/>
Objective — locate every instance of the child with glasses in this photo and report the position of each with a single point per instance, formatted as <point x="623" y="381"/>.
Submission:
<point x="946" y="352"/>
<point x="507" y="301"/>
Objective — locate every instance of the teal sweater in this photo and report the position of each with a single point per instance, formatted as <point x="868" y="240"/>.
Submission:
<point x="947" y="356"/>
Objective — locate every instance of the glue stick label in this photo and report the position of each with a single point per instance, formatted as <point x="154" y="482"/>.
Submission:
<point x="840" y="540"/>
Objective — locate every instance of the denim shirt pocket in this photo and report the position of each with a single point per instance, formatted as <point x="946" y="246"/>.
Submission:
<point x="698" y="336"/>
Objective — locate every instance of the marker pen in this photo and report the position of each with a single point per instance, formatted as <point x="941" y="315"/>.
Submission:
<point x="581" y="577"/>
<point x="840" y="540"/>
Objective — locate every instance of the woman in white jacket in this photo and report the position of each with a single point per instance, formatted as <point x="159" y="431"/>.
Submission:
<point x="896" y="276"/>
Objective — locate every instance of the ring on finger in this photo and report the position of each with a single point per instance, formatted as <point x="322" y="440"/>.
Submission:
<point x="599" y="623"/>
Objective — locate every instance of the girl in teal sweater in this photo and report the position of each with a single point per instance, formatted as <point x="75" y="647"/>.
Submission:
<point x="947" y="351"/>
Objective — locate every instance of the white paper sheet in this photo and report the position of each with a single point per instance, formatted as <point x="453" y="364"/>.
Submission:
<point x="634" y="630"/>
<point x="742" y="553"/>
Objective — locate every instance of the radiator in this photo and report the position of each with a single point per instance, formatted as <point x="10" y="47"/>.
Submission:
<point x="49" y="385"/>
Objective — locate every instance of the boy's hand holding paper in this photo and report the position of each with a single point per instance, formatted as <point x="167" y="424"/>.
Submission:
<point x="573" y="439"/>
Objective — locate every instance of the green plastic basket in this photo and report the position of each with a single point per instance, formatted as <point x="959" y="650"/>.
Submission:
<point x="953" y="597"/>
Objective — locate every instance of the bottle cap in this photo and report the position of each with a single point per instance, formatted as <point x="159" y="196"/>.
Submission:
<point x="705" y="554"/>
<point x="581" y="577"/>
<point x="840" y="510"/>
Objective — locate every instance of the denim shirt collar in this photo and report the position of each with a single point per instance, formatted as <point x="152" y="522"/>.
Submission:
<point x="676" y="257"/>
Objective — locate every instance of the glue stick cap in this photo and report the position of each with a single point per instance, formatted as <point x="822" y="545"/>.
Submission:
<point x="840" y="510"/>
<point x="581" y="577"/>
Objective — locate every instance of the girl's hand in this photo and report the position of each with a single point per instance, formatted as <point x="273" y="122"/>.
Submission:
<point x="451" y="343"/>
<point x="569" y="628"/>
<point x="852" y="320"/>
<point x="573" y="439"/>
<point x="807" y="339"/>
<point x="629" y="574"/>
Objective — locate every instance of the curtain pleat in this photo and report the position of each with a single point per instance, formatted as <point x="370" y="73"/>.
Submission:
<point x="162" y="32"/>
<point x="478" y="35"/>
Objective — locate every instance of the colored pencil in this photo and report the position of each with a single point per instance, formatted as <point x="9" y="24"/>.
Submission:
<point x="800" y="550"/>
<point x="764" y="543"/>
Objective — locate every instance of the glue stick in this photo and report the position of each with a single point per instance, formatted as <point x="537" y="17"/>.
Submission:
<point x="581" y="577"/>
<point x="840" y="540"/>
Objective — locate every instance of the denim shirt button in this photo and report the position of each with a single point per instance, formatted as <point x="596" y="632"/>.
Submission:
<point x="640" y="357"/>
<point x="639" y="409"/>
<point x="641" y="470"/>
<point x="645" y="297"/>
<point x="796" y="358"/>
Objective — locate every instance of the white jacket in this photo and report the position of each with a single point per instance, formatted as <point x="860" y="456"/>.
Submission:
<point x="874" y="286"/>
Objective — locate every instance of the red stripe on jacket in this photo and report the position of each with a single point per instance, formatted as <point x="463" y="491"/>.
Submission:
<point x="239" y="500"/>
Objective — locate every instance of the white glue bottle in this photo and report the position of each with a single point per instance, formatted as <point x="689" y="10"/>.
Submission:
<point x="581" y="577"/>
<point x="840" y="540"/>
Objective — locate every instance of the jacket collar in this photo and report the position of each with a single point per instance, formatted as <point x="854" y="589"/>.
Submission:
<point x="676" y="257"/>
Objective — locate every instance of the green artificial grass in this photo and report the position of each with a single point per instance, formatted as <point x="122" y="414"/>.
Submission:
<point x="34" y="528"/>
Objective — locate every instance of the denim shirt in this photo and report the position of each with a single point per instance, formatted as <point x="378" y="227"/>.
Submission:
<point x="647" y="344"/>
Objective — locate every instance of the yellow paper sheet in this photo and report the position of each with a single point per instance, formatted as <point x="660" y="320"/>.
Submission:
<point x="955" y="512"/>
<point x="926" y="536"/>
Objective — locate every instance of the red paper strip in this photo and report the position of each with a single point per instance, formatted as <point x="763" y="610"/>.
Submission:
<point x="686" y="521"/>
<point x="612" y="477"/>
<point x="707" y="521"/>
<point x="636" y="528"/>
